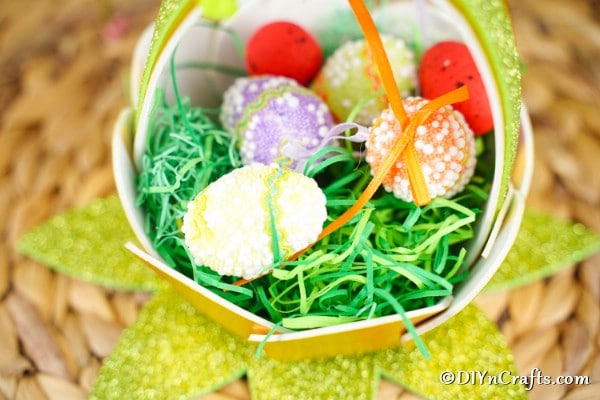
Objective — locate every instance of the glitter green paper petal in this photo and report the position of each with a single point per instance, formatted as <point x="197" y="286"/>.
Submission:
<point x="87" y="243"/>
<point x="171" y="352"/>
<point x="170" y="13"/>
<point x="467" y="342"/>
<point x="335" y="378"/>
<point x="543" y="246"/>
<point x="491" y="22"/>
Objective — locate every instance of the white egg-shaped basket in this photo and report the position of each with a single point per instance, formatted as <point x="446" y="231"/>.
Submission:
<point x="192" y="40"/>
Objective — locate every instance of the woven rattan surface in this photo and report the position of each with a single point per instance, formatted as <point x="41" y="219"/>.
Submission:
<point x="63" y="77"/>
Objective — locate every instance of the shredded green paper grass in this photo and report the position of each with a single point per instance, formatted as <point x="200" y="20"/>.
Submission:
<point x="392" y="256"/>
<point x="186" y="151"/>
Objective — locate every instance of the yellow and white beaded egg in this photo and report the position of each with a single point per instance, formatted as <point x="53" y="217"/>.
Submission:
<point x="228" y="226"/>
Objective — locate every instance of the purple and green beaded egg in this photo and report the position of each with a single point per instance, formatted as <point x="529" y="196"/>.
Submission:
<point x="268" y="114"/>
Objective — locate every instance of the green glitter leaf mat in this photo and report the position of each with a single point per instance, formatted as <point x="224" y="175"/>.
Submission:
<point x="87" y="243"/>
<point x="171" y="352"/>
<point x="177" y="353"/>
<point x="544" y="245"/>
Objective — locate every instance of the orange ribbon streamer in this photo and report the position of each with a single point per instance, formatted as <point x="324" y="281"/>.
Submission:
<point x="418" y="187"/>
<point x="383" y="64"/>
<point x="404" y="142"/>
<point x="404" y="145"/>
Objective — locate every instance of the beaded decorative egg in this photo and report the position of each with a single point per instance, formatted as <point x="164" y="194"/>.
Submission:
<point x="243" y="92"/>
<point x="448" y="65"/>
<point x="229" y="225"/>
<point x="286" y="49"/>
<point x="269" y="113"/>
<point x="350" y="77"/>
<point x="445" y="147"/>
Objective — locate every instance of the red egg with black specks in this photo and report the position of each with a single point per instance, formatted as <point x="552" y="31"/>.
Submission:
<point x="286" y="49"/>
<point x="448" y="65"/>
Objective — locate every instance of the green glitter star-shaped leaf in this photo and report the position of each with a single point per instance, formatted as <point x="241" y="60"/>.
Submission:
<point x="173" y="352"/>
<point x="177" y="353"/>
<point x="88" y="244"/>
<point x="544" y="245"/>
<point x="468" y="342"/>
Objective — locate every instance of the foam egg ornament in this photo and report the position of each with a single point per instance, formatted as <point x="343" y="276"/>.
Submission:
<point x="268" y="113"/>
<point x="243" y="92"/>
<point x="448" y="65"/>
<point x="445" y="147"/>
<point x="350" y="78"/>
<point x="286" y="49"/>
<point x="276" y="119"/>
<point x="229" y="225"/>
<point x="185" y="34"/>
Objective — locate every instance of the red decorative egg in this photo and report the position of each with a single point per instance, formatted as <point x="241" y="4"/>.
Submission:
<point x="285" y="49"/>
<point x="449" y="65"/>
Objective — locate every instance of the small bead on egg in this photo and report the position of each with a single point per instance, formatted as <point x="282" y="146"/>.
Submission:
<point x="445" y="148"/>
<point x="228" y="225"/>
<point x="350" y="76"/>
